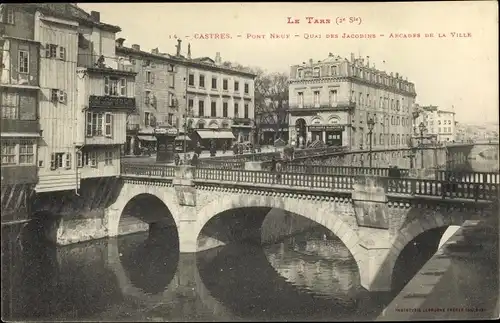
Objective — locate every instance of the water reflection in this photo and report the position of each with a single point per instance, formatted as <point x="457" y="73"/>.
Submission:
<point x="143" y="278"/>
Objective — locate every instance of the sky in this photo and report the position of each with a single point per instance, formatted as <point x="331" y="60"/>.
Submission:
<point x="452" y="72"/>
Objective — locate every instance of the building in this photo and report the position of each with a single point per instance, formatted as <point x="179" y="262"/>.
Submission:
<point x="271" y="121"/>
<point x="157" y="88"/>
<point x="439" y="124"/>
<point x="333" y="99"/>
<point x="81" y="116"/>
<point x="217" y="101"/>
<point x="220" y="101"/>
<point x="20" y="129"/>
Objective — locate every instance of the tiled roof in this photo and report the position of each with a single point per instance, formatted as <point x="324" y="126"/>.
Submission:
<point x="70" y="11"/>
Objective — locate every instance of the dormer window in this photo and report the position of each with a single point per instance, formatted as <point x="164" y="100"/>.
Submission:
<point x="300" y="73"/>
<point x="334" y="70"/>
<point x="316" y="72"/>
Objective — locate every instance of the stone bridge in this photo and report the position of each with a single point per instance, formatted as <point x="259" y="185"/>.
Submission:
<point x="375" y="217"/>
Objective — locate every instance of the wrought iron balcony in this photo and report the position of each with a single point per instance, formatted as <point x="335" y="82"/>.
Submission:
<point x="106" y="64"/>
<point x="337" y="106"/>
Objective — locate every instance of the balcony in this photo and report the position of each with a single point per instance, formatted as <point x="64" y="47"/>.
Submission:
<point x="101" y="64"/>
<point x="338" y="106"/>
<point x="27" y="128"/>
<point x="112" y="102"/>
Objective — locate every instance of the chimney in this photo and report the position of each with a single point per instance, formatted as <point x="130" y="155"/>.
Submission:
<point x="397" y="75"/>
<point x="330" y="54"/>
<point x="368" y="61"/>
<point x="178" y="47"/>
<point x="189" y="51"/>
<point x="310" y="61"/>
<point x="218" y="59"/>
<point x="155" y="51"/>
<point x="96" y="16"/>
<point x="136" y="47"/>
<point x="352" y="57"/>
<point x="120" y="41"/>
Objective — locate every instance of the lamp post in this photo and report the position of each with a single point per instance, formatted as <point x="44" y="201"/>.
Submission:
<point x="252" y="136"/>
<point x="371" y="124"/>
<point x="421" y="127"/>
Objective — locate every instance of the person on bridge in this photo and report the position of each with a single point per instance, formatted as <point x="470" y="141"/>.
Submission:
<point x="273" y="165"/>
<point x="194" y="160"/>
<point x="279" y="169"/>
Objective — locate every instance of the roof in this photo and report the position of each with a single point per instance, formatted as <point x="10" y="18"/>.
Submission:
<point x="71" y="11"/>
<point x="202" y="62"/>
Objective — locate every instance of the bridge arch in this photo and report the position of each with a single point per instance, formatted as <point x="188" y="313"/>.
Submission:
<point x="132" y="191"/>
<point x="323" y="213"/>
<point x="424" y="223"/>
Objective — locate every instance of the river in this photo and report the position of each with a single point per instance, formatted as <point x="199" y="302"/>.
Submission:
<point x="138" y="277"/>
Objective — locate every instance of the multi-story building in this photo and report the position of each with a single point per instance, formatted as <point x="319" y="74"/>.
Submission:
<point x="83" y="100"/>
<point x="156" y="88"/>
<point x="19" y="88"/>
<point x="333" y="99"/>
<point x="439" y="124"/>
<point x="171" y="89"/>
<point x="220" y="99"/>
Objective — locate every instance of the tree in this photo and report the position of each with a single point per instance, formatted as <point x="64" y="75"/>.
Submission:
<point x="271" y="96"/>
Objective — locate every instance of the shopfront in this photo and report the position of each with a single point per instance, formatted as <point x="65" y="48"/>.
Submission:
<point x="219" y="136"/>
<point x="332" y="135"/>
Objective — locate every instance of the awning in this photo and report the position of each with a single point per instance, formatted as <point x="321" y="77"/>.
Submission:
<point x="147" y="130"/>
<point x="146" y="138"/>
<point x="182" y="138"/>
<point x="215" y="134"/>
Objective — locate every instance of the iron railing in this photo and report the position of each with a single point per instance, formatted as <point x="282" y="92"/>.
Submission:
<point x="328" y="182"/>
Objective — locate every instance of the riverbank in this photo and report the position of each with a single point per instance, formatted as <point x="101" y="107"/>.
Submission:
<point x="459" y="282"/>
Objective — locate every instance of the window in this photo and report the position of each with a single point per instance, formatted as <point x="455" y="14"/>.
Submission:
<point x="247" y="88"/>
<point x="87" y="159"/>
<point x="108" y="158"/>
<point x="26" y="153"/>
<point x="190" y="103"/>
<point x="99" y="123"/>
<point x="301" y="99"/>
<point x="316" y="72"/>
<point x="24" y="61"/>
<point x="300" y="73"/>
<point x="236" y="112"/>
<point x="224" y="109"/>
<point x="7" y="15"/>
<point x="171" y="100"/>
<point x="236" y="86"/>
<point x="170" y="118"/>
<point x="51" y="51"/>
<point x="56" y="160"/>
<point x="191" y="80"/>
<point x="224" y="85"/>
<point x="108" y="124"/>
<point x="115" y="86"/>
<point x="10" y="105"/>
<point x="334" y="70"/>
<point x="67" y="160"/>
<point x="316" y="98"/>
<point x="381" y="139"/>
<point x="171" y="80"/>
<point x="62" y="53"/>
<point x="150" y="77"/>
<point x="147" y="117"/>
<point x="202" y="80"/>
<point x="246" y="110"/>
<point x="213" y="110"/>
<point x="147" y="97"/>
<point x="214" y="83"/>
<point x="8" y="153"/>
<point x="333" y="97"/>
<point x="201" y="108"/>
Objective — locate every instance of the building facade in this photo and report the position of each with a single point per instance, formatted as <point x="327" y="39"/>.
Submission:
<point x="220" y="102"/>
<point x="439" y="124"/>
<point x="157" y="86"/>
<point x="83" y="100"/>
<point x="20" y="129"/>
<point x="173" y="90"/>
<point x="333" y="99"/>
